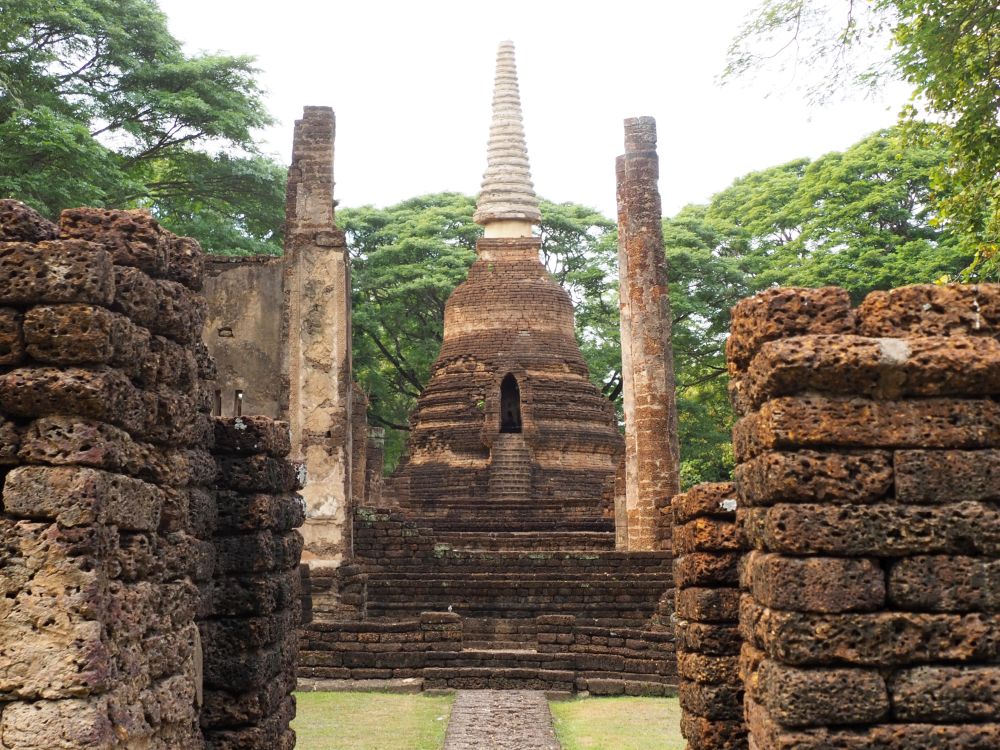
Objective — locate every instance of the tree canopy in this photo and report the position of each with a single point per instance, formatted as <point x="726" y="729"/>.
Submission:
<point x="860" y="219"/>
<point x="947" y="50"/>
<point x="99" y="105"/>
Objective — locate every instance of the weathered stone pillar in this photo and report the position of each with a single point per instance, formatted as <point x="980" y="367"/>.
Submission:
<point x="651" y="451"/>
<point x="317" y="371"/>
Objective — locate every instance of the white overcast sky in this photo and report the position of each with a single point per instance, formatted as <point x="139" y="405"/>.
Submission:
<point x="411" y="84"/>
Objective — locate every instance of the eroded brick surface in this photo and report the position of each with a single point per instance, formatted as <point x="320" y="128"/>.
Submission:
<point x="55" y="271"/>
<point x="780" y="313"/>
<point x="927" y="476"/>
<point x="816" y="421"/>
<point x="134" y="238"/>
<point x="11" y="336"/>
<point x="109" y="511"/>
<point x="879" y="368"/>
<point x="932" y="310"/>
<point x="868" y="485"/>
<point x="810" y="476"/>
<point x="21" y="223"/>
<point x="252" y="607"/>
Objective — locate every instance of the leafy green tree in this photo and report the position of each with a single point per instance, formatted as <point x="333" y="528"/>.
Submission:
<point x="945" y="49"/>
<point x="706" y="279"/>
<point x="99" y="105"/>
<point x="861" y="219"/>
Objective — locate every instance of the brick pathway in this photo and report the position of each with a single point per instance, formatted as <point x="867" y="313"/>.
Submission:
<point x="500" y="720"/>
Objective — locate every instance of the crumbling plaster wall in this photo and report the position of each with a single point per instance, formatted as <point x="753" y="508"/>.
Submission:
<point x="243" y="330"/>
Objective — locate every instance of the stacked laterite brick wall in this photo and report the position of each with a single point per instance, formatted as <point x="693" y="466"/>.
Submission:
<point x="572" y="654"/>
<point x="408" y="572"/>
<point x="706" y="573"/>
<point x="100" y="434"/>
<point x="555" y="620"/>
<point x="376" y="649"/>
<point x="135" y="606"/>
<point x="250" y="632"/>
<point x="610" y="660"/>
<point x="868" y="447"/>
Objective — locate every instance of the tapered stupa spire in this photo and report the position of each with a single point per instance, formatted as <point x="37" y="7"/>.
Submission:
<point x="507" y="204"/>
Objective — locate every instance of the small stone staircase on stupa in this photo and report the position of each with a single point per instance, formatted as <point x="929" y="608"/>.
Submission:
<point x="510" y="466"/>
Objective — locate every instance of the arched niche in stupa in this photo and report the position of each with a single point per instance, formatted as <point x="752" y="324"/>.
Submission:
<point x="510" y="404"/>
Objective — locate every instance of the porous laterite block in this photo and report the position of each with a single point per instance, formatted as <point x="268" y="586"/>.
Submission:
<point x="55" y="271"/>
<point x="134" y="238"/>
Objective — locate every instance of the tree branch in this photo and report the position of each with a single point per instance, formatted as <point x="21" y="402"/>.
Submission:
<point x="405" y="372"/>
<point x="387" y="423"/>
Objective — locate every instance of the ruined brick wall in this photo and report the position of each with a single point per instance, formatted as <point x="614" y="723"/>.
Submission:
<point x="359" y="455"/>
<point x="867" y="449"/>
<point x="244" y="332"/>
<point x="103" y="445"/>
<point x="708" y="546"/>
<point x="251" y="608"/>
<point x="610" y="660"/>
<point x="509" y="316"/>
<point x="573" y="654"/>
<point x="409" y="571"/>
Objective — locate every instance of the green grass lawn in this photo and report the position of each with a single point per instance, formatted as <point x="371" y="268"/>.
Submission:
<point x="618" y="723"/>
<point x="371" y="721"/>
<point x="390" y="721"/>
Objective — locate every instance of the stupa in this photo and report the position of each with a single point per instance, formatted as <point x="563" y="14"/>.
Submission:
<point x="509" y="423"/>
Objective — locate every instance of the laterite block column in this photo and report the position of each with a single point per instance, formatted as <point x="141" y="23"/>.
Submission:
<point x="709" y="546"/>
<point x="869" y="468"/>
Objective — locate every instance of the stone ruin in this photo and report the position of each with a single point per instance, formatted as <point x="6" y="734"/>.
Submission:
<point x="490" y="559"/>
<point x="841" y="593"/>
<point x="520" y="544"/>
<point x="148" y="557"/>
<point x="844" y="593"/>
<point x="279" y="330"/>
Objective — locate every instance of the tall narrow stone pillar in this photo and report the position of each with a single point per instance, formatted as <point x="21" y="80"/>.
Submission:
<point x="651" y="450"/>
<point x="317" y="371"/>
